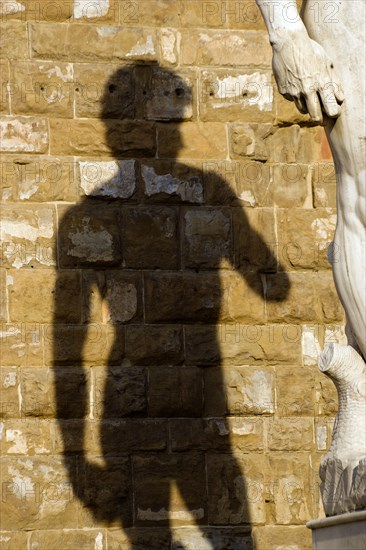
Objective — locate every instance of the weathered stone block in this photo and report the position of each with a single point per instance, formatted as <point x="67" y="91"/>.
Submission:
<point x="193" y="140"/>
<point x="250" y="140"/>
<point x="272" y="537"/>
<point x="304" y="237"/>
<point x="27" y="305"/>
<point x="150" y="237"/>
<point x="236" y="96"/>
<point x="116" y="137"/>
<point x="225" y="48"/>
<point x="119" y="391"/>
<point x="14" y="40"/>
<point x="112" y="43"/>
<point x="241" y="391"/>
<point x="292" y="185"/>
<point x="21" y="344"/>
<point x="290" y="434"/>
<point x="225" y="538"/>
<point x="324" y="184"/>
<point x="207" y="237"/>
<point x="170" y="96"/>
<point x="217" y="434"/>
<point x="113" y="297"/>
<point x="175" y="391"/>
<point x="28" y="178"/>
<point x="89" y="234"/>
<point x="13" y="540"/>
<point x="23" y="134"/>
<point x="255" y="239"/>
<point x="236" y="344"/>
<point x="170" y="489"/>
<point x="154" y="344"/>
<point x="242" y="298"/>
<point x="294" y="144"/>
<point x="236" y="488"/>
<point x="4" y="83"/>
<point x="133" y="435"/>
<point x="26" y="437"/>
<point x="301" y="301"/>
<point x="172" y="182"/>
<point x="68" y="539"/>
<point x="114" y="179"/>
<point x="9" y="394"/>
<point x="104" y="91"/>
<point x="44" y="87"/>
<point x="295" y="390"/>
<point x="33" y="10"/>
<point x="141" y="537"/>
<point x="28" y="236"/>
<point x="182" y="297"/>
<point x="37" y="493"/>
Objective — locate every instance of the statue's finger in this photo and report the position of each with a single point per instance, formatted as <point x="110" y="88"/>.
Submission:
<point x="313" y="107"/>
<point x="330" y="104"/>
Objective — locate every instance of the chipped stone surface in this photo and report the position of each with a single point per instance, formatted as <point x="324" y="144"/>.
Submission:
<point x="113" y="179"/>
<point x="23" y="134"/>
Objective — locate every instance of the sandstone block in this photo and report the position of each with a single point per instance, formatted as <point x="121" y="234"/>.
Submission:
<point x="26" y="437"/>
<point x="295" y="390"/>
<point x="23" y="134"/>
<point x="115" y="179"/>
<point x="143" y="537"/>
<point x="172" y="182"/>
<point x="304" y="237"/>
<point x="115" y="137"/>
<point x="105" y="489"/>
<point x="236" y="344"/>
<point x="294" y="144"/>
<point x="178" y="479"/>
<point x="240" y="391"/>
<point x="27" y="305"/>
<point x="14" y="40"/>
<point x="207" y="237"/>
<point x="22" y="344"/>
<point x="68" y="539"/>
<point x="154" y="344"/>
<point x="182" y="297"/>
<point x="170" y="96"/>
<point x="28" y="178"/>
<point x="112" y="296"/>
<point x="38" y="494"/>
<point x="275" y="536"/>
<point x="175" y="391"/>
<point x="292" y="185"/>
<point x="290" y="434"/>
<point x="236" y="96"/>
<point x="301" y="301"/>
<point x="94" y="344"/>
<point x="119" y="391"/>
<point x="286" y="112"/>
<point x="225" y="48"/>
<point x="255" y="240"/>
<point x="49" y="393"/>
<point x="28" y="236"/>
<point x="13" y="540"/>
<point x="192" y="140"/>
<point x="3" y="296"/>
<point x="217" y="434"/>
<point x="228" y="538"/>
<point x="44" y="88"/>
<point x="326" y="397"/>
<point x="133" y="435"/>
<point x="9" y="395"/>
<point x="150" y="237"/>
<point x="250" y="140"/>
<point x="242" y="298"/>
<point x="236" y="488"/>
<point x="324" y="184"/>
<point x="239" y="183"/>
<point x="110" y="43"/>
<point x="104" y="91"/>
<point x="89" y="234"/>
<point x="33" y="10"/>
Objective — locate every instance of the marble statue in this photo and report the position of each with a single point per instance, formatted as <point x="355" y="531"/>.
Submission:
<point x="319" y="63"/>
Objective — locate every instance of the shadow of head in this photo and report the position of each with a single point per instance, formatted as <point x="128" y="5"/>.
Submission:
<point x="137" y="96"/>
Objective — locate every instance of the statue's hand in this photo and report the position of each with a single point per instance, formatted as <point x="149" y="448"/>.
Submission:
<point x="305" y="74"/>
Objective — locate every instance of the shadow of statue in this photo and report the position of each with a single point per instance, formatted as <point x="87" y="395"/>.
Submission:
<point x="155" y="250"/>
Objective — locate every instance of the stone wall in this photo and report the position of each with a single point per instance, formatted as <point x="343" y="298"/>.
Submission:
<point x="165" y="287"/>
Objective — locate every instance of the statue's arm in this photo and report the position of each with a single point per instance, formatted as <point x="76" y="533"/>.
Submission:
<point x="303" y="71"/>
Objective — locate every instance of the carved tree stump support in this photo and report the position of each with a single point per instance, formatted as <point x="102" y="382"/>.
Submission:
<point x="343" y="469"/>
